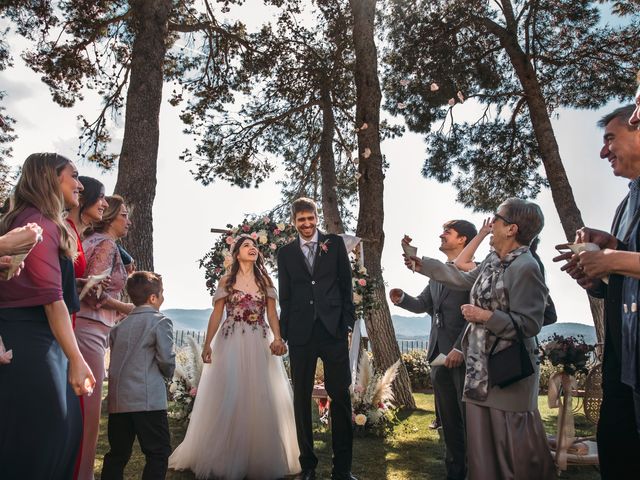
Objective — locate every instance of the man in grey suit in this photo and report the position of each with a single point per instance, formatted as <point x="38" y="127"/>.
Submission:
<point x="447" y="327"/>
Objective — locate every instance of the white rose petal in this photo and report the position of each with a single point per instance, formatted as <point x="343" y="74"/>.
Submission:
<point x="402" y="106"/>
<point x="366" y="153"/>
<point x="434" y="87"/>
<point x="364" y="126"/>
<point x="404" y="82"/>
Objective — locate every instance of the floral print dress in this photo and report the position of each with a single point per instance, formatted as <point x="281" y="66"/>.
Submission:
<point x="242" y="423"/>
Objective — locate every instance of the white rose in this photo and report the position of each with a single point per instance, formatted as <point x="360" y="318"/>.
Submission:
<point x="281" y="226"/>
<point x="357" y="298"/>
<point x="361" y="419"/>
<point x="173" y="387"/>
<point x="363" y="270"/>
<point x="263" y="239"/>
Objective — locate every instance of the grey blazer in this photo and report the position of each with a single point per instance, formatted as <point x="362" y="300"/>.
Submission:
<point x="527" y="294"/>
<point x="141" y="358"/>
<point x="438" y="299"/>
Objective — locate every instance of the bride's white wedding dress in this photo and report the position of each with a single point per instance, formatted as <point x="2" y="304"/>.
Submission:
<point x="242" y="423"/>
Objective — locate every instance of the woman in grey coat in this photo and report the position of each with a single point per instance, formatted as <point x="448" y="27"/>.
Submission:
<point x="505" y="435"/>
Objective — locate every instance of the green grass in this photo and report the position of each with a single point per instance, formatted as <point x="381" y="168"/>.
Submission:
<point x="413" y="452"/>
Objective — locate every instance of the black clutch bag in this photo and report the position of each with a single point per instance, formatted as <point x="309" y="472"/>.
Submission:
<point x="511" y="364"/>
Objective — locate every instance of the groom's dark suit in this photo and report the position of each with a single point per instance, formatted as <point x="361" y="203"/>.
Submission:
<point x="316" y="314"/>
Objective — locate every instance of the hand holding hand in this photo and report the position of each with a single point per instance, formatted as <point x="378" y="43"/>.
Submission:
<point x="278" y="347"/>
<point x="454" y="359"/>
<point x="395" y="294"/>
<point x="474" y="314"/>
<point x="206" y="354"/>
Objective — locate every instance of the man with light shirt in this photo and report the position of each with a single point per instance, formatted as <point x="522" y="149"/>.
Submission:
<point x="447" y="327"/>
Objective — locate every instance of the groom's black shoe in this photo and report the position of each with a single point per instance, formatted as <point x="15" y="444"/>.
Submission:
<point x="306" y="475"/>
<point x="343" y="476"/>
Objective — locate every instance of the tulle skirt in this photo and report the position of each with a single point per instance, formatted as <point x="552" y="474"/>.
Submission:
<point x="242" y="423"/>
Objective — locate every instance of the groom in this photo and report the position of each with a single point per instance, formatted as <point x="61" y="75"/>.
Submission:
<point x="317" y="313"/>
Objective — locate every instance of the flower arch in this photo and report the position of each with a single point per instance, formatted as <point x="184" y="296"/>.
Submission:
<point x="270" y="236"/>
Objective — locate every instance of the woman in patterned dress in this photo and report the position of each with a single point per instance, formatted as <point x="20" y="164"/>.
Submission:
<point x="242" y="423"/>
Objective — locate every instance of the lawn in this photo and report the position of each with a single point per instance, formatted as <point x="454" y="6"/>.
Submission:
<point x="413" y="452"/>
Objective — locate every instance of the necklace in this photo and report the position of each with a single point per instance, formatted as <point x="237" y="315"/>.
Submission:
<point x="245" y="280"/>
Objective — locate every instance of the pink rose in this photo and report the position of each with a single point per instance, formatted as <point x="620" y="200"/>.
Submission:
<point x="273" y="246"/>
<point x="254" y="235"/>
<point x="193" y="391"/>
<point x="362" y="282"/>
<point x="229" y="240"/>
<point x="246" y="228"/>
<point x="277" y="231"/>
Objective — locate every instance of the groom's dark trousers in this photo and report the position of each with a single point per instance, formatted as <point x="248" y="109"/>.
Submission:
<point x="316" y="314"/>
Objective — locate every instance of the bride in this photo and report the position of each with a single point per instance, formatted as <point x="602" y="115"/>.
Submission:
<point x="242" y="423"/>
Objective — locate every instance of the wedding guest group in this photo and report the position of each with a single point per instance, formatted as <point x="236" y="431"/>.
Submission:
<point x="612" y="274"/>
<point x="506" y="309"/>
<point x="445" y="337"/>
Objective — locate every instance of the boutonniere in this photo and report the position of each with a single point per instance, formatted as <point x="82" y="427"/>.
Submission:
<point x="324" y="247"/>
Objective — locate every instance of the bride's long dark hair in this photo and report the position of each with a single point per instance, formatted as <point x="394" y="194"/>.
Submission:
<point x="259" y="270"/>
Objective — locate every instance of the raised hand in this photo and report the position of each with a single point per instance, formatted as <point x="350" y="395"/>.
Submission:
<point x="486" y="227"/>
<point x="395" y="294"/>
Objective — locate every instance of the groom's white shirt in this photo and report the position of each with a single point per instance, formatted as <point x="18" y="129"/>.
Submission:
<point x="303" y="242"/>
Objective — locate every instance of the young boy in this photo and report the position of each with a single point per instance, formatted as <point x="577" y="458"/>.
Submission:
<point x="141" y="357"/>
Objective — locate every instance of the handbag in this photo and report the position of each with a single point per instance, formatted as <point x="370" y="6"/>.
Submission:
<point x="511" y="364"/>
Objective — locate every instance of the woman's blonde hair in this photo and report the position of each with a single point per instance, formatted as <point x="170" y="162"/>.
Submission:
<point x="39" y="187"/>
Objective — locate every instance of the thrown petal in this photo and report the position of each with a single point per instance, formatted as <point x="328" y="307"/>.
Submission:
<point x="366" y="153"/>
<point x="402" y="105"/>
<point x="404" y="82"/>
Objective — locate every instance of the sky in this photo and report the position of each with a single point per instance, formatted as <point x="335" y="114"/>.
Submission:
<point x="185" y="211"/>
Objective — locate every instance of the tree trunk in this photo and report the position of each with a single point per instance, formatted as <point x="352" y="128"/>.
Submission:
<point x="561" y="191"/>
<point x="371" y="189"/>
<point x="138" y="158"/>
<point x="330" y="212"/>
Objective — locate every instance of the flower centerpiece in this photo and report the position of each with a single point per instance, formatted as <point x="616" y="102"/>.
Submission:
<point x="183" y="387"/>
<point x="372" y="399"/>
<point x="569" y="355"/>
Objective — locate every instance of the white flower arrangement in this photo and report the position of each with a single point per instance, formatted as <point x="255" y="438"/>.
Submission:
<point x="372" y="398"/>
<point x="183" y="387"/>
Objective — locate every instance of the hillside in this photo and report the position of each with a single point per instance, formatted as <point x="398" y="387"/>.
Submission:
<point x="407" y="328"/>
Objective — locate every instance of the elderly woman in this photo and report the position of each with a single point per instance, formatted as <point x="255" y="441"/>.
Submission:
<point x="505" y="436"/>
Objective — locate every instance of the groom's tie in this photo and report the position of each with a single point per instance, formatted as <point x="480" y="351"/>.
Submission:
<point x="310" y="254"/>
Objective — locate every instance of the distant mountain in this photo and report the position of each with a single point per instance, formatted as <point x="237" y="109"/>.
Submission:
<point x="406" y="328"/>
<point x="188" y="319"/>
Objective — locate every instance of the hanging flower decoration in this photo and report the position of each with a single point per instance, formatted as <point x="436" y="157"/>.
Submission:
<point x="270" y="236"/>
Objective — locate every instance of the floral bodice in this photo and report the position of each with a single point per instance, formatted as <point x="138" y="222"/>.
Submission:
<point x="245" y="311"/>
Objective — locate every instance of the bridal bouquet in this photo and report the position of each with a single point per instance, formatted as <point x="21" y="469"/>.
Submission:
<point x="570" y="354"/>
<point x="183" y="388"/>
<point x="372" y="397"/>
